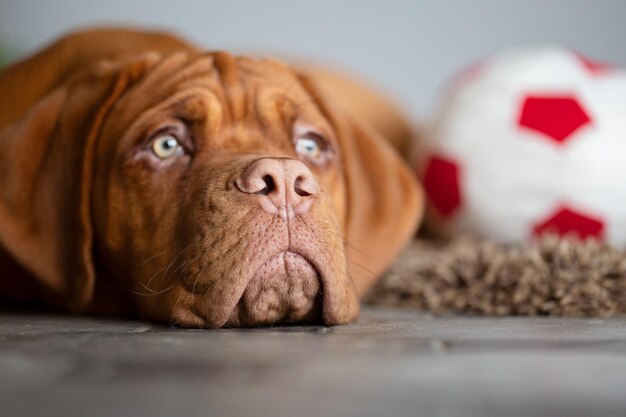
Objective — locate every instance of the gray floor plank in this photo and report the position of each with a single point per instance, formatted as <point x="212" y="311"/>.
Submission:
<point x="390" y="363"/>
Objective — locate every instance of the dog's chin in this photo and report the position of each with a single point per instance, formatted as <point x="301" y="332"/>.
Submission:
<point x="285" y="289"/>
<point x="289" y="287"/>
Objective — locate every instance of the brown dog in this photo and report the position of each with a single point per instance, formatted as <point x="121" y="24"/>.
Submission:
<point x="141" y="175"/>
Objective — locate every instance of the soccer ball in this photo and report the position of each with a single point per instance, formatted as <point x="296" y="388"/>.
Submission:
<point x="528" y="142"/>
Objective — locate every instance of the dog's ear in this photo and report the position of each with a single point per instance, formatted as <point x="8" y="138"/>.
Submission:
<point x="384" y="202"/>
<point x="46" y="175"/>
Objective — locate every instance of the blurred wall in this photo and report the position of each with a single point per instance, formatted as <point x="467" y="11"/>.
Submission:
<point x="408" y="48"/>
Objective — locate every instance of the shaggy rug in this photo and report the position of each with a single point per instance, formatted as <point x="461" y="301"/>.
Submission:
<point x="552" y="276"/>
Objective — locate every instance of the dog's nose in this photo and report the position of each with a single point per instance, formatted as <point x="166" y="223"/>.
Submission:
<point x="283" y="186"/>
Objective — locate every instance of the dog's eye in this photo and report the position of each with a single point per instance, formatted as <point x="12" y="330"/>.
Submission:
<point x="166" y="146"/>
<point x="309" y="145"/>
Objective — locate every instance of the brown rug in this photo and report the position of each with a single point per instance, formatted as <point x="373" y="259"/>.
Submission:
<point x="553" y="276"/>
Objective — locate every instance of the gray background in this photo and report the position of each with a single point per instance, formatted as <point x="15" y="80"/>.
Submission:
<point x="408" y="48"/>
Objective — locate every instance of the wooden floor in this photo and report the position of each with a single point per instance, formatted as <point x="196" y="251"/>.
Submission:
<point x="391" y="363"/>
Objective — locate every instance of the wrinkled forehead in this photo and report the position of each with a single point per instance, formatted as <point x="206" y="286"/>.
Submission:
<point x="225" y="90"/>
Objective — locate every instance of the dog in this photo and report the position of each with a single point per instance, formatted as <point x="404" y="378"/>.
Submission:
<point x="142" y="176"/>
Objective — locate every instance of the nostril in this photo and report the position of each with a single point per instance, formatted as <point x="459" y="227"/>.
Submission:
<point x="298" y="186"/>
<point x="270" y="186"/>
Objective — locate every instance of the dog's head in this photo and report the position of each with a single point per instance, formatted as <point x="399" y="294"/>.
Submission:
<point x="215" y="190"/>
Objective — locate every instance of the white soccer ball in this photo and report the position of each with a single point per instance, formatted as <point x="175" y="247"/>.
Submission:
<point x="529" y="142"/>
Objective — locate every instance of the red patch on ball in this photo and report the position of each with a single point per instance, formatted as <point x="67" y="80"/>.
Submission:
<point x="594" y="67"/>
<point x="441" y="182"/>
<point x="557" y="117"/>
<point x="568" y="221"/>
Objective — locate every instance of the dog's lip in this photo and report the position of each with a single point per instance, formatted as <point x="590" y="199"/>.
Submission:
<point x="283" y="253"/>
<point x="222" y="313"/>
<point x="245" y="283"/>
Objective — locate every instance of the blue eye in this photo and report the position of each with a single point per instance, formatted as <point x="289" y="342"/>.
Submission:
<point x="308" y="145"/>
<point x="166" y="146"/>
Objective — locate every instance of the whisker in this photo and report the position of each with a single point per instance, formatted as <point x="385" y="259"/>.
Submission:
<point x="342" y="249"/>
<point x="152" y="293"/>
<point x="154" y="257"/>
<point x="181" y="252"/>
<point x="351" y="246"/>
<point x="170" y="264"/>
